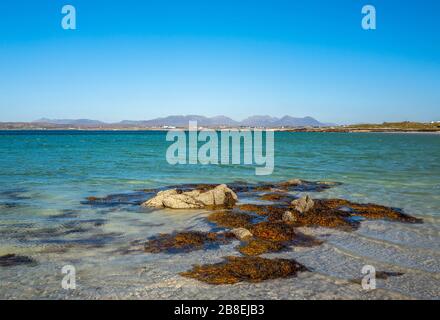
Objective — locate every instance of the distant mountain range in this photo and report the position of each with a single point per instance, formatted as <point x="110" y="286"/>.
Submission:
<point x="182" y="121"/>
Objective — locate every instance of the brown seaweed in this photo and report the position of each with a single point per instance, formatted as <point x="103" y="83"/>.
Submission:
<point x="273" y="231"/>
<point x="256" y="247"/>
<point x="230" y="219"/>
<point x="248" y="269"/>
<point x="186" y="241"/>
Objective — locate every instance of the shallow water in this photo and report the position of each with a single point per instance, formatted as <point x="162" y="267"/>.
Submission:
<point x="45" y="177"/>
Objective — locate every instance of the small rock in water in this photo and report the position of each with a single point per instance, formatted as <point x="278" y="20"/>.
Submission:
<point x="303" y="204"/>
<point x="241" y="233"/>
<point x="288" y="216"/>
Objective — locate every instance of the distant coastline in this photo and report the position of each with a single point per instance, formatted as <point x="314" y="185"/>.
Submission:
<point x="336" y="129"/>
<point x="286" y="124"/>
<point x="317" y="130"/>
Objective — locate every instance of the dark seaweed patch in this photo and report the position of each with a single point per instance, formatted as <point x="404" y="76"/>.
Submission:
<point x="186" y="241"/>
<point x="248" y="269"/>
<point x="229" y="219"/>
<point x="256" y="247"/>
<point x="383" y="275"/>
<point x="10" y="260"/>
<point x="133" y="198"/>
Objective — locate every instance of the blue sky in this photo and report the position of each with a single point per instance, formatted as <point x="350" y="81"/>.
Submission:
<point x="144" y="59"/>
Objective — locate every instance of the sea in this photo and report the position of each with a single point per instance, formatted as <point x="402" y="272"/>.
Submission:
<point x="47" y="176"/>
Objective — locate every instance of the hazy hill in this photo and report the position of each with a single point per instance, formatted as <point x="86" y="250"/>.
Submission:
<point x="253" y="121"/>
<point x="257" y="121"/>
<point x="182" y="121"/>
<point x="288" y="121"/>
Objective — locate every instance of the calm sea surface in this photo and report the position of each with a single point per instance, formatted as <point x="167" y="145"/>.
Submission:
<point x="44" y="177"/>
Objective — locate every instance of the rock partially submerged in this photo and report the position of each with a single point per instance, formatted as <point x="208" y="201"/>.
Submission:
<point x="330" y="213"/>
<point x="276" y="191"/>
<point x="220" y="196"/>
<point x="10" y="260"/>
<point x="303" y="204"/>
<point x="248" y="269"/>
<point x="241" y="233"/>
<point x="347" y="209"/>
<point x="323" y="215"/>
<point x="288" y="216"/>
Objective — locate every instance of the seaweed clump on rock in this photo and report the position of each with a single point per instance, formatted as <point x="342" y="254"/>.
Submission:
<point x="330" y="213"/>
<point x="340" y="212"/>
<point x="186" y="241"/>
<point x="324" y="216"/>
<point x="374" y="211"/>
<point x="247" y="269"/>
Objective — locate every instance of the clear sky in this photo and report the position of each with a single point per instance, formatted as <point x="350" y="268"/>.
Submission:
<point x="149" y="58"/>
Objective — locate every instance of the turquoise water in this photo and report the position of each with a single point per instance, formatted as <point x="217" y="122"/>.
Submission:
<point x="44" y="176"/>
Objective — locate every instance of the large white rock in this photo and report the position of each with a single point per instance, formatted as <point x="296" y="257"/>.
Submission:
<point x="207" y="198"/>
<point x="221" y="195"/>
<point x="157" y="201"/>
<point x="182" y="201"/>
